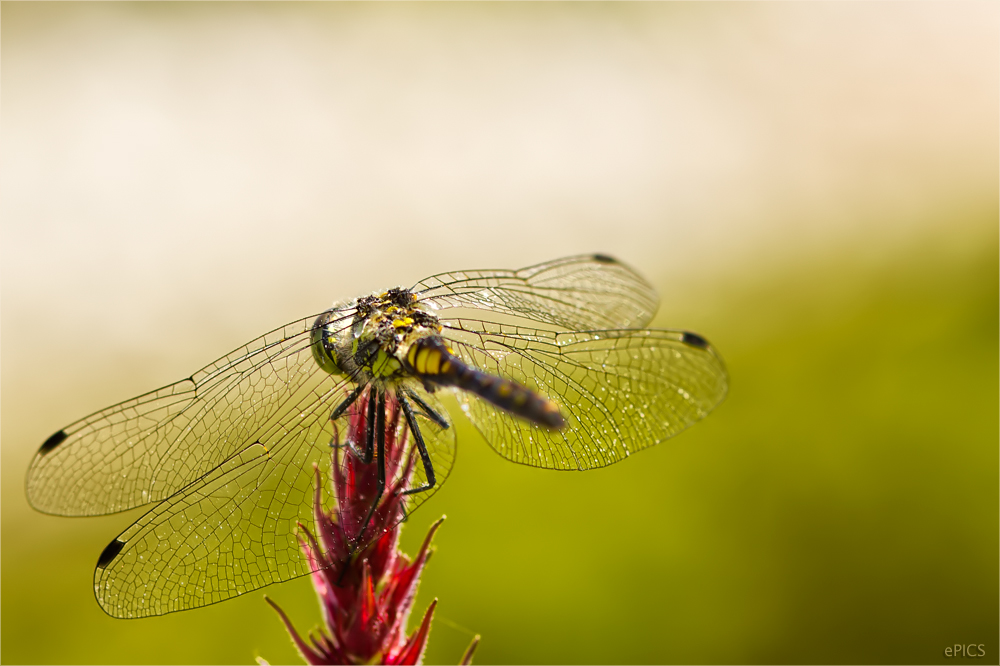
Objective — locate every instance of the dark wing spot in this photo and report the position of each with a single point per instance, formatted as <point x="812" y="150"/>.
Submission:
<point x="604" y="259"/>
<point x="53" y="441"/>
<point x="110" y="553"/>
<point x="695" y="340"/>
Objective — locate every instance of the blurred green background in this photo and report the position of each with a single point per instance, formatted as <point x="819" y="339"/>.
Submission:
<point x="814" y="187"/>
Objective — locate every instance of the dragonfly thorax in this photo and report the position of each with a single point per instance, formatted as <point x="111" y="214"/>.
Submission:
<point x="368" y="339"/>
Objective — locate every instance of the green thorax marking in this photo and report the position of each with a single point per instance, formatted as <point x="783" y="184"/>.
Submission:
<point x="385" y="325"/>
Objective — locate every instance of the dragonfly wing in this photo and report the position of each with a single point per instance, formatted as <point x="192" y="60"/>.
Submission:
<point x="575" y="293"/>
<point x="620" y="391"/>
<point x="238" y="528"/>
<point x="146" y="449"/>
<point x="231" y="532"/>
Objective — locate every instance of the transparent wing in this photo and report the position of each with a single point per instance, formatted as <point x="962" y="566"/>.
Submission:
<point x="232" y="532"/>
<point x="576" y="293"/>
<point x="620" y="390"/>
<point x="146" y="449"/>
<point x="237" y="529"/>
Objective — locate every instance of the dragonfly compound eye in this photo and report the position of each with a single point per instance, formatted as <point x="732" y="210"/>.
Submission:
<point x="323" y="348"/>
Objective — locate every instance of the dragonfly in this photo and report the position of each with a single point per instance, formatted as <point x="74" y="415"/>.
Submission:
<point x="553" y="364"/>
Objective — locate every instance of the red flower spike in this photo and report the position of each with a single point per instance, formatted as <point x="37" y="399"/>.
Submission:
<point x="413" y="651"/>
<point x="469" y="651"/>
<point x="366" y="591"/>
<point x="311" y="656"/>
<point x="404" y="589"/>
<point x="329" y="531"/>
<point x="367" y="596"/>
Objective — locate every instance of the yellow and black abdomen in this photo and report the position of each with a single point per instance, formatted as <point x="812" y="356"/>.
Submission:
<point x="431" y="360"/>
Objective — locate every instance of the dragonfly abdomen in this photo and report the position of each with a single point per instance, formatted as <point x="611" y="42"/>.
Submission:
<point x="433" y="361"/>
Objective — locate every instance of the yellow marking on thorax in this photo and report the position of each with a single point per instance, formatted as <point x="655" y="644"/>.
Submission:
<point x="384" y="365"/>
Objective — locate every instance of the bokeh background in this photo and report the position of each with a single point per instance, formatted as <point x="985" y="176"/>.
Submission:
<point x="814" y="187"/>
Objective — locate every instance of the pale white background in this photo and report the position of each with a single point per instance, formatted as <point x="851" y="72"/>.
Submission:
<point x="178" y="176"/>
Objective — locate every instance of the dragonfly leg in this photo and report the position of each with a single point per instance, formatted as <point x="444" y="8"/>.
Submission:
<point x="411" y="422"/>
<point x="339" y="410"/>
<point x="431" y="414"/>
<point x="365" y="455"/>
<point x="379" y="426"/>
